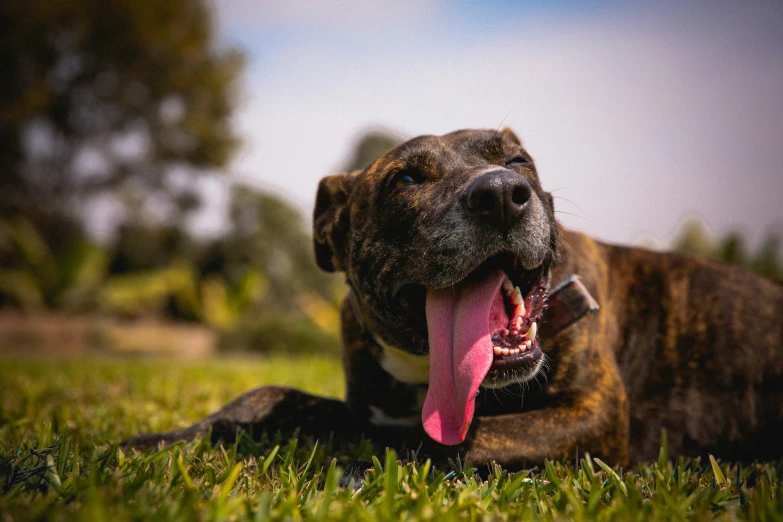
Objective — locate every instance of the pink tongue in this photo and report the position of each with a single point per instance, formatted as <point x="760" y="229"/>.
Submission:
<point x="459" y="321"/>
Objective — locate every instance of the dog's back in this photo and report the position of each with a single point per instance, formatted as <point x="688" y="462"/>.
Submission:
<point x="699" y="346"/>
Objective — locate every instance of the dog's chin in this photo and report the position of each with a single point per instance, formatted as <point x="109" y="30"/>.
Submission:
<point x="515" y="369"/>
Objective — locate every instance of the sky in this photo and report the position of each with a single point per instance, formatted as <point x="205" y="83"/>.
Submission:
<point x="637" y="114"/>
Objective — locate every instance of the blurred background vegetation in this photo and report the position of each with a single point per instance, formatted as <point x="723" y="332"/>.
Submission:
<point x="695" y="238"/>
<point x="125" y="105"/>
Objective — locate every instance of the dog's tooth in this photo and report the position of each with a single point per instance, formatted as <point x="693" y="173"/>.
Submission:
<point x="505" y="351"/>
<point x="516" y="296"/>
<point x="528" y="344"/>
<point x="521" y="308"/>
<point x="518" y="323"/>
<point x="513" y="351"/>
<point x="531" y="334"/>
<point x="497" y="349"/>
<point x="508" y="286"/>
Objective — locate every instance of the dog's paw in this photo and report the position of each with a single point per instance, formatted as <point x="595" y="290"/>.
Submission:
<point x="150" y="441"/>
<point x="354" y="474"/>
<point x="158" y="441"/>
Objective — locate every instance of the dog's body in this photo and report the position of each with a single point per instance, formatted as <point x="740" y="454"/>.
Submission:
<point x="426" y="235"/>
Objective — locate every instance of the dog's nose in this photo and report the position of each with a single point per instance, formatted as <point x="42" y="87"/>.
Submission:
<point x="498" y="197"/>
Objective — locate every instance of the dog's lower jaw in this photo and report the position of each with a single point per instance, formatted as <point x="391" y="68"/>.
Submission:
<point x="498" y="379"/>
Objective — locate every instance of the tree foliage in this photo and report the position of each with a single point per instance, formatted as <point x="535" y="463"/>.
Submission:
<point x="371" y="145"/>
<point x="114" y="96"/>
<point x="695" y="238"/>
<point x="268" y="234"/>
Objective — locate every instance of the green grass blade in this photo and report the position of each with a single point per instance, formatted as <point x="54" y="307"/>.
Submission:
<point x="613" y="476"/>
<point x="269" y="459"/>
<point x="228" y="483"/>
<point x="719" y="477"/>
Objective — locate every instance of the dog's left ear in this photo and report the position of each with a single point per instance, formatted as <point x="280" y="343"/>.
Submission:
<point x="509" y="135"/>
<point x="331" y="220"/>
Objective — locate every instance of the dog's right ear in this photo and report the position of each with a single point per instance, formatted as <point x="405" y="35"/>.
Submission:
<point x="331" y="220"/>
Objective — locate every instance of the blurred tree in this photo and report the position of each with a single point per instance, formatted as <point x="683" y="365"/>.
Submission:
<point x="268" y="234"/>
<point x="767" y="260"/>
<point x="141" y="246"/>
<point x="116" y="96"/>
<point x="695" y="238"/>
<point x="731" y="248"/>
<point x="263" y="264"/>
<point x="371" y="146"/>
<point x="32" y="278"/>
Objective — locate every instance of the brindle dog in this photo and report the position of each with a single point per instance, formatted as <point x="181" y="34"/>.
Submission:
<point x="467" y="327"/>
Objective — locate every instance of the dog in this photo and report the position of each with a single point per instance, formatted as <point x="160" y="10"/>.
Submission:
<point x="475" y="324"/>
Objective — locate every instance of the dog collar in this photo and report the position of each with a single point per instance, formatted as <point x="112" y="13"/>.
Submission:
<point x="566" y="304"/>
<point x="404" y="366"/>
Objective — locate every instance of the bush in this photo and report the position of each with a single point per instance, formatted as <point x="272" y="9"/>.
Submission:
<point x="279" y="333"/>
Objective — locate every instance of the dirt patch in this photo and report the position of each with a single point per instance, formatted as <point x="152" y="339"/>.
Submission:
<point x="66" y="336"/>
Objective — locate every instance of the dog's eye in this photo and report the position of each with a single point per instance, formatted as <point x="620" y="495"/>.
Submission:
<point x="518" y="160"/>
<point x="405" y="178"/>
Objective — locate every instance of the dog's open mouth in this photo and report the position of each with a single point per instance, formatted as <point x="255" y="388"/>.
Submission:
<point x="482" y="326"/>
<point x="516" y="311"/>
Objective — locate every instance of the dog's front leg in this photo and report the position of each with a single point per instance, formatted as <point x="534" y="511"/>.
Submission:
<point x="594" y="423"/>
<point x="591" y="415"/>
<point x="268" y="408"/>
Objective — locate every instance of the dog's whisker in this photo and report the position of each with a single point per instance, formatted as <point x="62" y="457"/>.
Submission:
<point x="497" y="130"/>
<point x="571" y="214"/>
<point x="574" y="204"/>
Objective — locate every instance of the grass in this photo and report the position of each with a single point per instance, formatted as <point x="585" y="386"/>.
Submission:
<point x="59" y="460"/>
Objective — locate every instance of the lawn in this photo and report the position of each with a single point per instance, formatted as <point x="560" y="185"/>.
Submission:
<point x="60" y="421"/>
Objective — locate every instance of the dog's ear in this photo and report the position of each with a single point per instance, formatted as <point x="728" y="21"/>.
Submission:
<point x="509" y="135"/>
<point x="331" y="220"/>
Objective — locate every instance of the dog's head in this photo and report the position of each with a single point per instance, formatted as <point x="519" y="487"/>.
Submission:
<point x="446" y="242"/>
